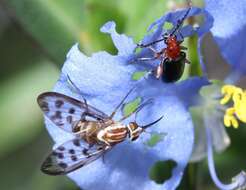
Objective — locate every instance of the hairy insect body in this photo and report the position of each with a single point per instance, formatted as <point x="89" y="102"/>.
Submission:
<point x="109" y="133"/>
<point x="113" y="134"/>
<point x="88" y="131"/>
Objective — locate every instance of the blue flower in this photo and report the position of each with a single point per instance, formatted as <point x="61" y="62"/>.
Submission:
<point x="229" y="34"/>
<point x="104" y="79"/>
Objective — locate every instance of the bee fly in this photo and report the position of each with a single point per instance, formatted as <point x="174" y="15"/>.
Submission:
<point x="94" y="132"/>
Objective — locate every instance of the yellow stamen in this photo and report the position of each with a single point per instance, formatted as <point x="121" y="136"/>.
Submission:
<point x="238" y="110"/>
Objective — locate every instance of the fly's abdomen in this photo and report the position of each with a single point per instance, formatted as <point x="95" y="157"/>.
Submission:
<point x="113" y="134"/>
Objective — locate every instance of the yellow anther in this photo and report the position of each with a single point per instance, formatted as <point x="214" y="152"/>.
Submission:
<point x="234" y="122"/>
<point x="238" y="110"/>
<point x="227" y="91"/>
<point x="230" y="119"/>
<point x="227" y="121"/>
<point x="226" y="99"/>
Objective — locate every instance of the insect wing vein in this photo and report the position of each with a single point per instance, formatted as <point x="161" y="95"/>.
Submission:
<point x="65" y="111"/>
<point x="70" y="156"/>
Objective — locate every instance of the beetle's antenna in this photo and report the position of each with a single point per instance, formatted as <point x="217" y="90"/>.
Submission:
<point x="181" y="21"/>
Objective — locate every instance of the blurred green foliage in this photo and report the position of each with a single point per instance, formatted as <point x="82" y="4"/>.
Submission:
<point x="35" y="36"/>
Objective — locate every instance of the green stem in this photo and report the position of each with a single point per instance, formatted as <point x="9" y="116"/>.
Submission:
<point x="195" y="68"/>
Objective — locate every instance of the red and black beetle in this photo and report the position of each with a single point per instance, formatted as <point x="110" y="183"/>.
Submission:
<point x="172" y="57"/>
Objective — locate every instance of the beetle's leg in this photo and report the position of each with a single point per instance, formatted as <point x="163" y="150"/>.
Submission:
<point x="183" y="48"/>
<point x="159" y="71"/>
<point x="152" y="49"/>
<point x="149" y="44"/>
<point x="187" y="61"/>
<point x="157" y="55"/>
<point x="145" y="59"/>
<point x="120" y="104"/>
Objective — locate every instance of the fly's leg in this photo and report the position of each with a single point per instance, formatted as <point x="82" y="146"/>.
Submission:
<point x="120" y="104"/>
<point x="136" y="110"/>
<point x="86" y="112"/>
<point x="108" y="147"/>
<point x="78" y="90"/>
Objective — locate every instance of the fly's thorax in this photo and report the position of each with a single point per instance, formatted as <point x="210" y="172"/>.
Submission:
<point x="85" y="126"/>
<point x="87" y="130"/>
<point x="134" y="131"/>
<point x="113" y="134"/>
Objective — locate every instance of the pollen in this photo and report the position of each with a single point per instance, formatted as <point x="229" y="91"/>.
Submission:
<point x="237" y="112"/>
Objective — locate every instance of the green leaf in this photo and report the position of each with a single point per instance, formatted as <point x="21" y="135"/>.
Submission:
<point x="131" y="106"/>
<point x="138" y="75"/>
<point x="162" y="171"/>
<point x="155" y="138"/>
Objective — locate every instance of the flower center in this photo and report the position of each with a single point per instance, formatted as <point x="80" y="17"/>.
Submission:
<point x="238" y="109"/>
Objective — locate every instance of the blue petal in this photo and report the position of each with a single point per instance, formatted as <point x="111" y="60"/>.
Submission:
<point x="229" y="31"/>
<point x="174" y="17"/>
<point x="123" y="43"/>
<point x="103" y="80"/>
<point x="127" y="165"/>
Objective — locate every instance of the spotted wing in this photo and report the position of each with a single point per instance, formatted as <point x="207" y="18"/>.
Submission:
<point x="70" y="156"/>
<point x="65" y="111"/>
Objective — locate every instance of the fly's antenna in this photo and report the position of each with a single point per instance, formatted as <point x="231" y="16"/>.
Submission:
<point x="149" y="101"/>
<point x="152" y="123"/>
<point x="181" y="21"/>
